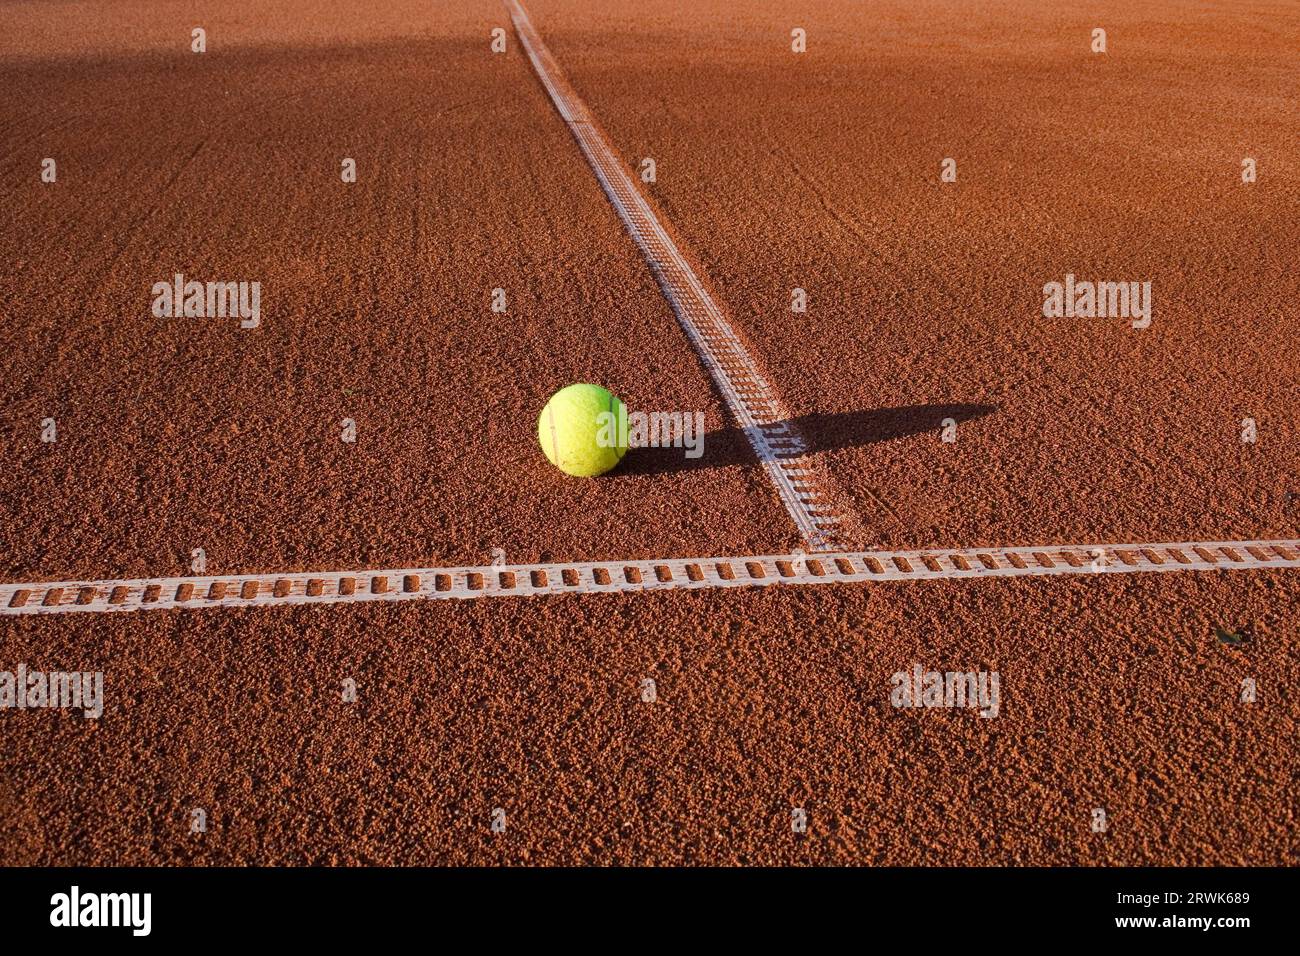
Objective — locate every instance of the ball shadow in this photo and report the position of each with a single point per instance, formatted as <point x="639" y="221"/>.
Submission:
<point x="724" y="447"/>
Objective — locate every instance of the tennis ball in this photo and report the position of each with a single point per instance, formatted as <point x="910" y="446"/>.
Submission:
<point x="583" y="430"/>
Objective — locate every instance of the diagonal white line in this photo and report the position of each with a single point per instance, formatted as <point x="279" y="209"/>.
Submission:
<point x="748" y="396"/>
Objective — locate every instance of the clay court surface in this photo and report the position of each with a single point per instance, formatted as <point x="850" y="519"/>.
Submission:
<point x="774" y="171"/>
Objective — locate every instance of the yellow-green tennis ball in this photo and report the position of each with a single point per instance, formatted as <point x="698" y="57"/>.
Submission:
<point x="583" y="430"/>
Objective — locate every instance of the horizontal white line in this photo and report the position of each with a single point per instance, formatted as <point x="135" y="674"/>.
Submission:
<point x="593" y="577"/>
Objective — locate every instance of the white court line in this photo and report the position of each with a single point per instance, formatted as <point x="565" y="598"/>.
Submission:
<point x="594" y="577"/>
<point x="750" y="398"/>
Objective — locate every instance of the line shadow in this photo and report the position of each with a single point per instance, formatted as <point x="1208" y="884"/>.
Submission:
<point x="724" y="447"/>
